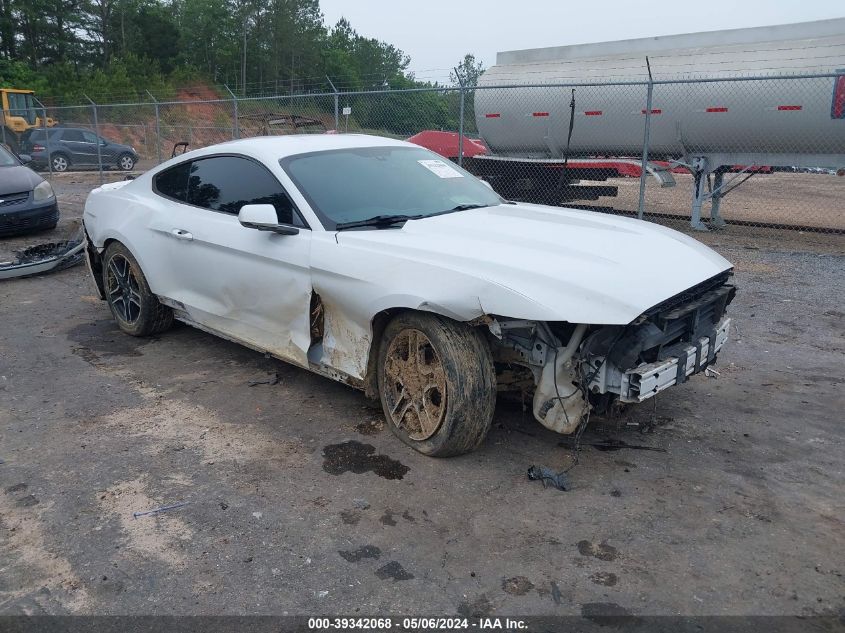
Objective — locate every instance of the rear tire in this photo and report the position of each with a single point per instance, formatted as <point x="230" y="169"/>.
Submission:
<point x="126" y="162"/>
<point x="437" y="383"/>
<point x="136" y="309"/>
<point x="60" y="162"/>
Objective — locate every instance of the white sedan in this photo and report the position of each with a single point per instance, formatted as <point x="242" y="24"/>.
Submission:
<point x="382" y="265"/>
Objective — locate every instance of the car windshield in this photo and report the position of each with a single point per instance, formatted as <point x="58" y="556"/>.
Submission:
<point x="7" y="159"/>
<point x="357" y="184"/>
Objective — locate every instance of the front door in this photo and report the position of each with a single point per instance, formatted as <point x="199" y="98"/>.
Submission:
<point x="253" y="286"/>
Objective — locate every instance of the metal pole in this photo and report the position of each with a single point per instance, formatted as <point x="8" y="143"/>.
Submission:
<point x="158" y="128"/>
<point x="460" y="121"/>
<point x="646" y="140"/>
<point x="97" y="133"/>
<point x="236" y="129"/>
<point x="46" y="138"/>
<point x="336" y="109"/>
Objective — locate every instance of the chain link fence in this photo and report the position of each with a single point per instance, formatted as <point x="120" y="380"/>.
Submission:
<point x="745" y="153"/>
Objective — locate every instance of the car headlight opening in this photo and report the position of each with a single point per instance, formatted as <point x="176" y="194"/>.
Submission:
<point x="42" y="191"/>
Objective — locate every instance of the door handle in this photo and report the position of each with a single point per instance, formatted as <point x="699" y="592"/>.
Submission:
<point x="181" y="234"/>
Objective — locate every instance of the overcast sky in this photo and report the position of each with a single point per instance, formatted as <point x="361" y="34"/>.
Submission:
<point x="437" y="33"/>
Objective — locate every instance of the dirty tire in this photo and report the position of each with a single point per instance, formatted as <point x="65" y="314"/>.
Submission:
<point x="133" y="305"/>
<point x="439" y="398"/>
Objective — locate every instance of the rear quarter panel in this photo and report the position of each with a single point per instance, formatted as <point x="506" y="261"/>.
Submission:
<point x="126" y="211"/>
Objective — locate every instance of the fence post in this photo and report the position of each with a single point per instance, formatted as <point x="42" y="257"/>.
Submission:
<point x="646" y="140"/>
<point x="158" y="128"/>
<point x="461" y="120"/>
<point x="336" y="104"/>
<point x="97" y="133"/>
<point x="236" y="129"/>
<point x="46" y="137"/>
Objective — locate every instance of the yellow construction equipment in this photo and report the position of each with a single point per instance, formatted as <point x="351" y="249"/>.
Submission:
<point x="20" y="115"/>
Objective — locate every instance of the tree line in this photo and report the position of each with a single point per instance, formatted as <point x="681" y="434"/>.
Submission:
<point x="106" y="49"/>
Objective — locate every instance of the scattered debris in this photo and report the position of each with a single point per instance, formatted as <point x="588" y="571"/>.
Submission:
<point x="361" y="504"/>
<point x="711" y="373"/>
<point x="135" y="515"/>
<point x="549" y="477"/>
<point x="44" y="258"/>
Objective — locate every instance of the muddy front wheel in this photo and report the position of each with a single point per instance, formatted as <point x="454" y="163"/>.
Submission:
<point x="437" y="383"/>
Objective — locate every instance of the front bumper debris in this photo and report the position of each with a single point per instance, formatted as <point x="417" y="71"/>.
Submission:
<point x="647" y="380"/>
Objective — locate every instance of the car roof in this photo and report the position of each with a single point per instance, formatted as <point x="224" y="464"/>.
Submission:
<point x="272" y="148"/>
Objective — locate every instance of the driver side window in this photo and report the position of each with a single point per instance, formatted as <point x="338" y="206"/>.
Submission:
<point x="226" y="183"/>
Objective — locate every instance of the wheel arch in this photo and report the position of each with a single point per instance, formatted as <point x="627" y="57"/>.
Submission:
<point x="377" y="326"/>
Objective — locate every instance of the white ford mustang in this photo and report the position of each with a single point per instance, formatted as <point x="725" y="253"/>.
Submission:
<point x="380" y="264"/>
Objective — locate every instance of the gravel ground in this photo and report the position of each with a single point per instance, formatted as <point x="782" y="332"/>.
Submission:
<point x="300" y="502"/>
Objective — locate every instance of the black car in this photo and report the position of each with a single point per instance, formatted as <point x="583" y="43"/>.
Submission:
<point x="77" y="147"/>
<point x="27" y="201"/>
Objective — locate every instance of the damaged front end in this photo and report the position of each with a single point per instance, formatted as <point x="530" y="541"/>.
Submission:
<point x="575" y="368"/>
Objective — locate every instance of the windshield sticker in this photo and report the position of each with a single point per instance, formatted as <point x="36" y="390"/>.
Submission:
<point x="440" y="168"/>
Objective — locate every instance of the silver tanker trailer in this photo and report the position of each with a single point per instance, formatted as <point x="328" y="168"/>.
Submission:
<point x="737" y="113"/>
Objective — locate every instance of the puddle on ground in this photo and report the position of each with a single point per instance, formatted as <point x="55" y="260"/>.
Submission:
<point x="357" y="555"/>
<point x="395" y="571"/>
<point x="359" y="458"/>
<point x="104" y="338"/>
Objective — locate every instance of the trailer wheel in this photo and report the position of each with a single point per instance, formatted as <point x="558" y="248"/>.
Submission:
<point x="133" y="305"/>
<point x="437" y="383"/>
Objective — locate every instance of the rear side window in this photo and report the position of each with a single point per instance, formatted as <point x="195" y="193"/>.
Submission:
<point x="226" y="183"/>
<point x="173" y="182"/>
<point x="72" y="135"/>
<point x="40" y="135"/>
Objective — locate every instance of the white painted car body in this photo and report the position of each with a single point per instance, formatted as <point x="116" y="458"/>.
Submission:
<point x="506" y="262"/>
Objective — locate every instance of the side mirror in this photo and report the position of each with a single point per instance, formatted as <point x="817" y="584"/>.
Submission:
<point x="263" y="218"/>
<point x="26" y="159"/>
<point x="103" y="142"/>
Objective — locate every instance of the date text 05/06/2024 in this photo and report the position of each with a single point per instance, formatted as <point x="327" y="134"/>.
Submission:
<point x="417" y="624"/>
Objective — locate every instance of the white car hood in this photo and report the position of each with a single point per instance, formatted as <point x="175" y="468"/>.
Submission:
<point x="548" y="263"/>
